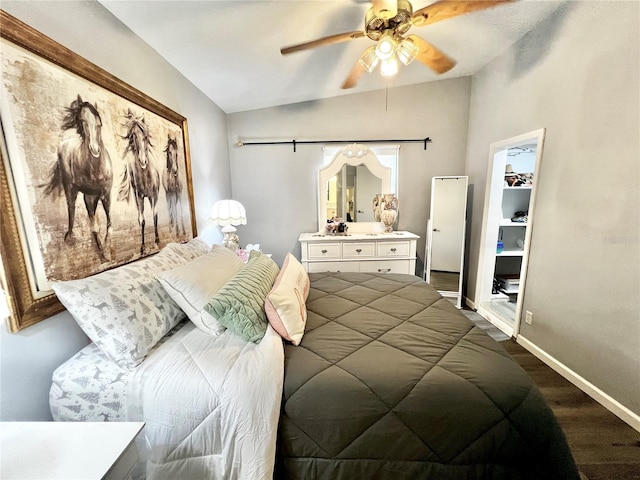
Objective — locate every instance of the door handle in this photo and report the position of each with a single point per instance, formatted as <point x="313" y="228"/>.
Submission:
<point x="436" y="230"/>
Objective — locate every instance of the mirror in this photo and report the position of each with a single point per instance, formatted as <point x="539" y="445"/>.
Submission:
<point x="446" y="236"/>
<point x="348" y="184"/>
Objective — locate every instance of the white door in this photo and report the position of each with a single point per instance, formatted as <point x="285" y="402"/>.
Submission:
<point x="448" y="207"/>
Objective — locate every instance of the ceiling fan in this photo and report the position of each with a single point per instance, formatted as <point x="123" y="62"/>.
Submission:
<point x="386" y="23"/>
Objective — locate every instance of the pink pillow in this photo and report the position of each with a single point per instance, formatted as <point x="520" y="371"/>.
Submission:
<point x="285" y="304"/>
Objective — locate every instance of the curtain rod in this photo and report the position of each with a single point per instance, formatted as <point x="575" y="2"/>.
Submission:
<point x="424" y="141"/>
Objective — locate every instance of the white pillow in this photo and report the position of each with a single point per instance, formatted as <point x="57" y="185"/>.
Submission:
<point x="285" y="304"/>
<point x="125" y="311"/>
<point x="192" y="285"/>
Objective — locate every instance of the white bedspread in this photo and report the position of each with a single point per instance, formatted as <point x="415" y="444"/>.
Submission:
<point x="211" y="407"/>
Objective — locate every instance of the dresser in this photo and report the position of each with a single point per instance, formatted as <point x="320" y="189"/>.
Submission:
<point x="393" y="252"/>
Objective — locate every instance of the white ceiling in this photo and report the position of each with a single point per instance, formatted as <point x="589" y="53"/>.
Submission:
<point x="230" y="50"/>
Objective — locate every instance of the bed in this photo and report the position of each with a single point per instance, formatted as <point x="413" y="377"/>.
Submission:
<point x="391" y="381"/>
<point x="379" y="377"/>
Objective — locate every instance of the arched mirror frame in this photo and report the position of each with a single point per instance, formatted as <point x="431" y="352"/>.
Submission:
<point x="354" y="155"/>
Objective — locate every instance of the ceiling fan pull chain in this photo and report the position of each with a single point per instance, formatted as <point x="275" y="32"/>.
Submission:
<point x="386" y="98"/>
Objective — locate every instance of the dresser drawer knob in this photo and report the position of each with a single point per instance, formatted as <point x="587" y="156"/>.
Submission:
<point x="384" y="270"/>
<point x="323" y="251"/>
<point x="394" y="250"/>
<point x="358" y="250"/>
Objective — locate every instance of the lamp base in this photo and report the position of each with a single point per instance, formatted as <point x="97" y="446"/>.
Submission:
<point x="230" y="240"/>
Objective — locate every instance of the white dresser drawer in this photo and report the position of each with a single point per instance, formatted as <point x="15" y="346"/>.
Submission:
<point x="319" y="267"/>
<point x="393" y="249"/>
<point x="386" y="266"/>
<point x="358" y="250"/>
<point x="324" y="250"/>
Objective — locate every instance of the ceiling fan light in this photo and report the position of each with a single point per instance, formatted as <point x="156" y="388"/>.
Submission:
<point x="369" y="60"/>
<point x="389" y="67"/>
<point x="386" y="46"/>
<point x="407" y="51"/>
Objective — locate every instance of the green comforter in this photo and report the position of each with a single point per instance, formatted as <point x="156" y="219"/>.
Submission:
<point x="391" y="381"/>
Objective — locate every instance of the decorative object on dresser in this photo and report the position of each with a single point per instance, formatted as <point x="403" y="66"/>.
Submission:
<point x="388" y="211"/>
<point x="229" y="213"/>
<point x="359" y="252"/>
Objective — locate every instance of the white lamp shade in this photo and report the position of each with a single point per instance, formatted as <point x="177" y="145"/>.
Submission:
<point x="228" y="212"/>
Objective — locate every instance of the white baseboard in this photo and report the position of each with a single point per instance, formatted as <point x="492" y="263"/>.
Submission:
<point x="469" y="303"/>
<point x="587" y="387"/>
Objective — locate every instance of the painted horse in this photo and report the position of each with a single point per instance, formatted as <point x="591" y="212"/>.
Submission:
<point x="83" y="166"/>
<point x="173" y="186"/>
<point x="140" y="177"/>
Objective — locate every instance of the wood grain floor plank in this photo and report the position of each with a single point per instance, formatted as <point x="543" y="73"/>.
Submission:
<point x="604" y="447"/>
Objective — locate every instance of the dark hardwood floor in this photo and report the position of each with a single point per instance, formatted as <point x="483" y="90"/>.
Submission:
<point x="604" y="447"/>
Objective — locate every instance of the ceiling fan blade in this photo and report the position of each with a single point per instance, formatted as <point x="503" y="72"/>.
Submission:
<point x="354" y="75"/>
<point x="445" y="9"/>
<point x="340" y="37"/>
<point x="430" y="56"/>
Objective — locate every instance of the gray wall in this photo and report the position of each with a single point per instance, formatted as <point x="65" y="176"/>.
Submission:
<point x="577" y="76"/>
<point x="28" y="358"/>
<point x="278" y="186"/>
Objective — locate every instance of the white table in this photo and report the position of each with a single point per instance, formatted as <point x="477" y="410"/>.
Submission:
<point x="68" y="450"/>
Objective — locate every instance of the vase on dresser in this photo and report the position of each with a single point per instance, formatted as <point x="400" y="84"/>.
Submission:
<point x="389" y="211"/>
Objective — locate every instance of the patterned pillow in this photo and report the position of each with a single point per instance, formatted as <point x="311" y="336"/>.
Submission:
<point x="192" y="285"/>
<point x="285" y="304"/>
<point x="190" y="250"/>
<point x="125" y="311"/>
<point x="239" y="304"/>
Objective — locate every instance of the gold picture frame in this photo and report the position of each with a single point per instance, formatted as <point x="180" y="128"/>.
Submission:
<point x="59" y="110"/>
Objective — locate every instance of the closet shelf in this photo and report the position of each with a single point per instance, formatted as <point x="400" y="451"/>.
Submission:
<point x="509" y="223"/>
<point x="510" y="253"/>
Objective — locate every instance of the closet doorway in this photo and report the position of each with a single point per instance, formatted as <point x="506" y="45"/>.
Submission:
<point x="513" y="170"/>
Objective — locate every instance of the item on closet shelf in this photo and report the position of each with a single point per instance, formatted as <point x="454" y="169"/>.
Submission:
<point x="509" y="283"/>
<point x="520" y="217"/>
<point x="500" y="246"/>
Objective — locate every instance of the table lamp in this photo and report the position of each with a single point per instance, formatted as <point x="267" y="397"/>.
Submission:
<point x="229" y="213"/>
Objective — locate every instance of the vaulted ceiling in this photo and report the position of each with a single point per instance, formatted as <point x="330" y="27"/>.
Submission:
<point x="230" y="50"/>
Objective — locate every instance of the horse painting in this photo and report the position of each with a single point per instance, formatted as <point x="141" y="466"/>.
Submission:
<point x="83" y="165"/>
<point x="140" y="177"/>
<point x="173" y="186"/>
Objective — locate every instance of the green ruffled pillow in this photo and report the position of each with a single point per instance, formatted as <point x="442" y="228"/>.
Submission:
<point x="239" y="304"/>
